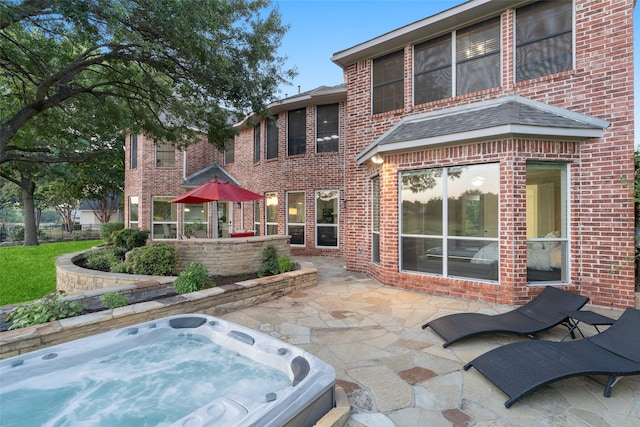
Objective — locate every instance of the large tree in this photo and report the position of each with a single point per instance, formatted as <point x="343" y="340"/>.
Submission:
<point x="167" y="68"/>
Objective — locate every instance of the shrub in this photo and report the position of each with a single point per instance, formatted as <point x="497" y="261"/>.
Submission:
<point x="130" y="238"/>
<point x="16" y="234"/>
<point x="284" y="264"/>
<point x="107" y="229"/>
<point x="120" y="267"/>
<point x="51" y="307"/>
<point x="114" y="300"/>
<point x="158" y="259"/>
<point x="101" y="259"/>
<point x="269" y="264"/>
<point x="193" y="278"/>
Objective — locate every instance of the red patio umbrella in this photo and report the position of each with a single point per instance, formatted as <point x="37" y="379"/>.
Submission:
<point x="217" y="190"/>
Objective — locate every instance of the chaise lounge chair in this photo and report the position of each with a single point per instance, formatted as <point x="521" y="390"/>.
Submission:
<point x="521" y="368"/>
<point x="543" y="312"/>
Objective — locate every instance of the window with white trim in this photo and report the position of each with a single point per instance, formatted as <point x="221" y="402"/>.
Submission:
<point x="547" y="219"/>
<point x="256" y="217"/>
<point x="272" y="138"/>
<point x="375" y="220"/>
<point x="296" y="217"/>
<point x="165" y="219"/>
<point x="327" y="218"/>
<point x="271" y="216"/>
<point x="133" y="211"/>
<point x="449" y="221"/>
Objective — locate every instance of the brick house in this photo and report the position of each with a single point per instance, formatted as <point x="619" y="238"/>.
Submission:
<point x="482" y="153"/>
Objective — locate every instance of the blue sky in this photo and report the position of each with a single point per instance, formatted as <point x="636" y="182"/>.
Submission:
<point x="320" y="28"/>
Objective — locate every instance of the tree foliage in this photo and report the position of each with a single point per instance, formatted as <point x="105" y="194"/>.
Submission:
<point x="75" y="71"/>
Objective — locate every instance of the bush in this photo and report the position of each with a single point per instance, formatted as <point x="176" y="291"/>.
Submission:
<point x="51" y="307"/>
<point x="269" y="264"/>
<point x="101" y="259"/>
<point x="114" y="300"/>
<point x="16" y="234"/>
<point x="284" y="264"/>
<point x="107" y="229"/>
<point x="193" y="278"/>
<point x="129" y="238"/>
<point x="120" y="267"/>
<point x="158" y="259"/>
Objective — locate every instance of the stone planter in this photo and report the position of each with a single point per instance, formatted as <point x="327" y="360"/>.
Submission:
<point x="214" y="301"/>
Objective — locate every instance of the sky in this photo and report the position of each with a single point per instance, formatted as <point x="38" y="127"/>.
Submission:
<point x="320" y="28"/>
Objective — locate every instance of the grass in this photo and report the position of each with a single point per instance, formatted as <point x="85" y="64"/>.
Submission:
<point x="29" y="272"/>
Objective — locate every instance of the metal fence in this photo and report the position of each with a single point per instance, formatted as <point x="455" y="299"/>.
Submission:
<point x="50" y="232"/>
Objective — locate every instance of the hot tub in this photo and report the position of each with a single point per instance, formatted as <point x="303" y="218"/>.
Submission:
<point x="189" y="370"/>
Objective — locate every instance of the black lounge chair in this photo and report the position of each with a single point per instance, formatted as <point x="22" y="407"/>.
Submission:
<point x="521" y="368"/>
<point x="543" y="312"/>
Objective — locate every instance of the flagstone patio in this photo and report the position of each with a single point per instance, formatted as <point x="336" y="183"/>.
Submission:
<point x="396" y="374"/>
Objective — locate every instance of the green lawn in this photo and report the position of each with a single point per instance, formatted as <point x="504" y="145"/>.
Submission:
<point x="29" y="272"/>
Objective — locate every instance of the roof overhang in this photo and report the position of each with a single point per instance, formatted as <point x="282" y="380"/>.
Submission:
<point x="318" y="96"/>
<point x="419" y="132"/>
<point x="456" y="17"/>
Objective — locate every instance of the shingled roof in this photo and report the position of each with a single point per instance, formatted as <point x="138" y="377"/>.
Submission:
<point x="512" y="115"/>
<point x="207" y="174"/>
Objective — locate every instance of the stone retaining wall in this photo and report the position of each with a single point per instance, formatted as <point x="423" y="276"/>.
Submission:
<point x="228" y="257"/>
<point x="221" y="257"/>
<point x="215" y="301"/>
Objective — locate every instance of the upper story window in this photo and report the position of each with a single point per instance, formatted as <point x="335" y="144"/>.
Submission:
<point x="297" y="132"/>
<point x="327" y="129"/>
<point x="388" y="82"/>
<point x="256" y="144"/>
<point x="478" y="57"/>
<point x="440" y="73"/>
<point x="133" y="151"/>
<point x="165" y="155"/>
<point x="272" y="138"/>
<point x="229" y="152"/>
<point x="432" y="70"/>
<point x="544" y="39"/>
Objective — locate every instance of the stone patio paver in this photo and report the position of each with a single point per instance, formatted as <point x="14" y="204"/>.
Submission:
<point x="397" y="375"/>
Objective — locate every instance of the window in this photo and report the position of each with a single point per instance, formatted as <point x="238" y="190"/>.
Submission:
<point x="544" y="39"/>
<point x="439" y="72"/>
<point x="388" y="82"/>
<point x="256" y="217"/>
<point x="327" y="218"/>
<point x="296" y="217"/>
<point x="433" y="70"/>
<point x="133" y="211"/>
<point x="327" y="128"/>
<point x="256" y="144"/>
<point x="297" y="132"/>
<point x="375" y="220"/>
<point x="165" y="155"/>
<point x="478" y="57"/>
<point x="195" y="220"/>
<point x="229" y="152"/>
<point x="165" y="219"/>
<point x="133" y="151"/>
<point x="272" y="138"/>
<point x="449" y="221"/>
<point x="272" y="213"/>
<point x="547" y="223"/>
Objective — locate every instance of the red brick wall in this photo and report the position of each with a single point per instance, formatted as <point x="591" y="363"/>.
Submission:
<point x="309" y="172"/>
<point x="601" y="85"/>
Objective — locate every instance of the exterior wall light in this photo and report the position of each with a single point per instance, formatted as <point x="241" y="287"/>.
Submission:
<point x="377" y="159"/>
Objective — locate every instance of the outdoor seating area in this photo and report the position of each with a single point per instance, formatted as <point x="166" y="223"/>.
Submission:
<point x="395" y="373"/>
<point x="520" y="368"/>
<point x="543" y="312"/>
